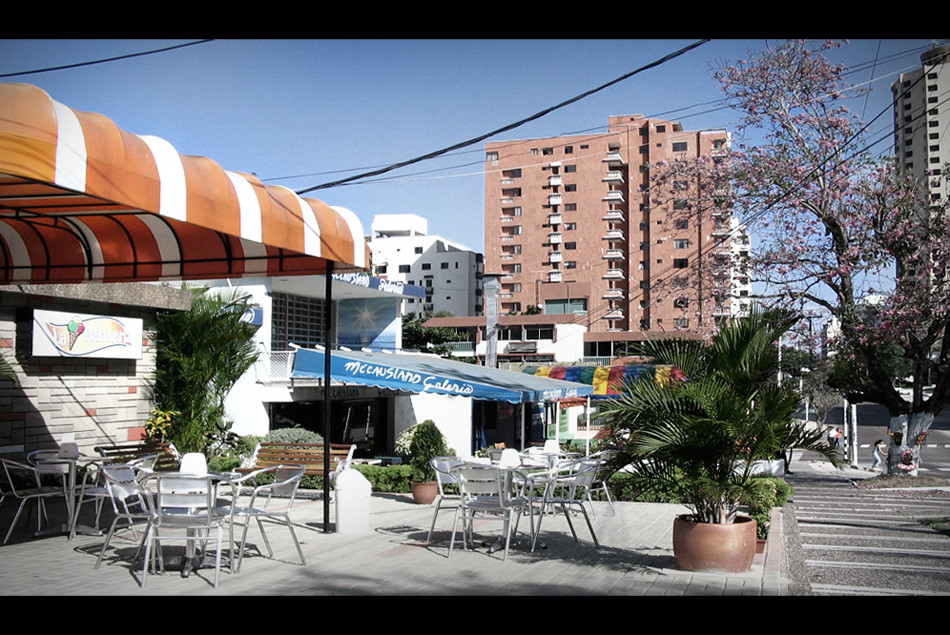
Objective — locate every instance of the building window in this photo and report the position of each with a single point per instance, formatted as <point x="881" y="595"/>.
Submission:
<point x="444" y="265"/>
<point x="547" y="151"/>
<point x="681" y="323"/>
<point x="681" y="303"/>
<point x="679" y="146"/>
<point x="568" y="149"/>
<point x="570" y="168"/>
<point x="296" y="319"/>
<point x="681" y="223"/>
<point x="570" y="207"/>
<point x="404" y="268"/>
<point x="570" y="245"/>
<point x="570" y="187"/>
<point x="426" y="266"/>
<point x="418" y="250"/>
<point x="570" y="226"/>
<point x="681" y="243"/>
<point x="491" y="156"/>
<point x="680" y="263"/>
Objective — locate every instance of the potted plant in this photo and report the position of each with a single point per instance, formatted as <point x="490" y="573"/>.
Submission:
<point x="427" y="443"/>
<point x="700" y="437"/>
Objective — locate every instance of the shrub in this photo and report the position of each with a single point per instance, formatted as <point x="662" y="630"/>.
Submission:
<point x="387" y="478"/>
<point x="293" y="435"/>
<point x="766" y="493"/>
<point x="427" y="443"/>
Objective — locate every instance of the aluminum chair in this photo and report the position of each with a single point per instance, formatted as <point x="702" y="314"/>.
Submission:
<point x="566" y="489"/>
<point x="443" y="466"/>
<point x="488" y="490"/>
<point x="123" y="487"/>
<point x="194" y="463"/>
<point x="260" y="508"/>
<point x="600" y="479"/>
<point x="184" y="510"/>
<point x="23" y="483"/>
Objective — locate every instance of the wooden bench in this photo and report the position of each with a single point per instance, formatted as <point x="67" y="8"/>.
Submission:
<point x="168" y="458"/>
<point x="310" y="455"/>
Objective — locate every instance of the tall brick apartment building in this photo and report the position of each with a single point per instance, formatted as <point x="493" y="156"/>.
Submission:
<point x="573" y="227"/>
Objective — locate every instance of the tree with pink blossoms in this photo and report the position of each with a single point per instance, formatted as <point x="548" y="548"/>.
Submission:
<point x="839" y="234"/>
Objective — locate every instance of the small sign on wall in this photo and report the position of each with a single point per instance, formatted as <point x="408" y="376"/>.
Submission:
<point x="57" y="334"/>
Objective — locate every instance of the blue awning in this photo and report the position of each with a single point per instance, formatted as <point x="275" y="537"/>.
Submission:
<point x="421" y="373"/>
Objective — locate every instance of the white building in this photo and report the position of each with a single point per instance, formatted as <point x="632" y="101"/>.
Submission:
<point x="403" y="251"/>
<point x="920" y="118"/>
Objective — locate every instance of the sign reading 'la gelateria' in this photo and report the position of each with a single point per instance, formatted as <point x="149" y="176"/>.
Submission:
<point x="81" y="335"/>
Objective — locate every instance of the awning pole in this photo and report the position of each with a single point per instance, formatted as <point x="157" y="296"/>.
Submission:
<point x="327" y="335"/>
<point x="587" y="427"/>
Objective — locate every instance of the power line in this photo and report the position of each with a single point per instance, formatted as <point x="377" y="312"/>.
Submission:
<point x="512" y="126"/>
<point x="103" y="61"/>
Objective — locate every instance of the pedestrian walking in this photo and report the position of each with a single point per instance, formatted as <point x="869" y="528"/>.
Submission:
<point x="839" y="437"/>
<point x="878" y="453"/>
<point x="832" y="437"/>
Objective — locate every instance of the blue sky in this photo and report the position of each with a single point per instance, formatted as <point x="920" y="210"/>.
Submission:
<point x="303" y="113"/>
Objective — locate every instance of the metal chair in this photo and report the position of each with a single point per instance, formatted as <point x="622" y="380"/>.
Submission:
<point x="23" y="483"/>
<point x="566" y="489"/>
<point x="443" y="466"/>
<point x="488" y="490"/>
<point x="600" y="479"/>
<point x="122" y="485"/>
<point x="259" y="508"/>
<point x="184" y="509"/>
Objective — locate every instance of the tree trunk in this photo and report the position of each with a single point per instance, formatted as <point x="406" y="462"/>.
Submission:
<point x="907" y="434"/>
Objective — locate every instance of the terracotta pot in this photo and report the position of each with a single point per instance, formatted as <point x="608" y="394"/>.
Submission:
<point x="425" y="492"/>
<point x="727" y="548"/>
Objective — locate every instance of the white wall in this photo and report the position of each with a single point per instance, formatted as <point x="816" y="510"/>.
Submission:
<point x="452" y="415"/>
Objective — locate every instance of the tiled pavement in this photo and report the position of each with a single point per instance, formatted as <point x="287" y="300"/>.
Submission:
<point x="393" y="558"/>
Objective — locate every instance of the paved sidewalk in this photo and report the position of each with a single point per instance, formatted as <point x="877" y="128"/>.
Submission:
<point x="393" y="558"/>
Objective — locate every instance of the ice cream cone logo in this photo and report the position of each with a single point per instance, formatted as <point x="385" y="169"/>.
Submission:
<point x="75" y="329"/>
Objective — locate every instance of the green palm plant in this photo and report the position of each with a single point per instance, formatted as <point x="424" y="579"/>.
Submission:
<point x="200" y="354"/>
<point x="700" y="437"/>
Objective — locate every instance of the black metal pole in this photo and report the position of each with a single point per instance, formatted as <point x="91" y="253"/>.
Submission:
<point x="327" y="342"/>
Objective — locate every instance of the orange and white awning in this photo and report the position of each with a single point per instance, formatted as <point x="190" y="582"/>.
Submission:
<point x="82" y="200"/>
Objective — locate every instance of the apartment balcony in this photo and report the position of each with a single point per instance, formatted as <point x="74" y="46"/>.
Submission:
<point x="554" y="199"/>
<point x="614" y="196"/>
<point x="613" y="274"/>
<point x="554" y="276"/>
<point x="614" y="234"/>
<point x="614" y="254"/>
<point x="555" y="238"/>
<point x="614" y="157"/>
<point x="613" y="176"/>
<point x="614" y="314"/>
<point x="614" y="294"/>
<point x="556" y="256"/>
<point x="614" y="215"/>
<point x="554" y="219"/>
<point x="555" y="180"/>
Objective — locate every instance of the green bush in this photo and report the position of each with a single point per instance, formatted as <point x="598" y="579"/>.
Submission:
<point x="387" y="478"/>
<point x="427" y="443"/>
<point x="293" y="435"/>
<point x="766" y="493"/>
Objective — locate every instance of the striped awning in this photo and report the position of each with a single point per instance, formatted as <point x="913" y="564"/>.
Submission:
<point x="82" y="200"/>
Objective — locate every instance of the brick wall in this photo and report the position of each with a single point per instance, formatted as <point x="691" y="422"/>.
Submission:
<point x="94" y="401"/>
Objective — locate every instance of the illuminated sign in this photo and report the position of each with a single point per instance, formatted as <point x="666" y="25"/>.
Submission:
<point x="57" y="334"/>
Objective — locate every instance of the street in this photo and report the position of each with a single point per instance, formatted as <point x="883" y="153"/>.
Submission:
<point x="872" y="425"/>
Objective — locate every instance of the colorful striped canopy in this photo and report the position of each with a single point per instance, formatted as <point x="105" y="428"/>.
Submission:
<point x="608" y="381"/>
<point x="82" y="200"/>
